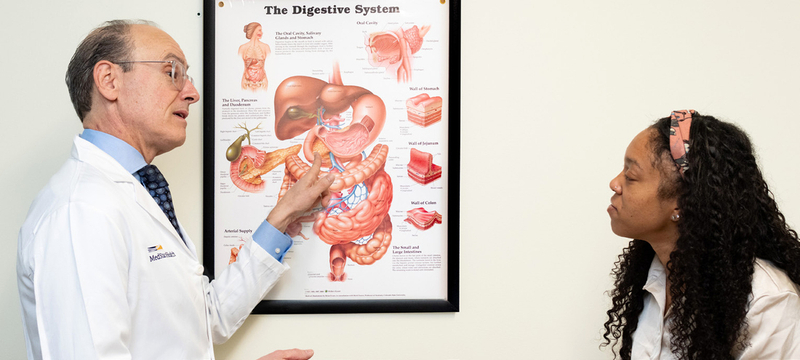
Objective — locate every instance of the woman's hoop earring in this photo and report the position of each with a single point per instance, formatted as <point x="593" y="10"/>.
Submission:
<point x="676" y="217"/>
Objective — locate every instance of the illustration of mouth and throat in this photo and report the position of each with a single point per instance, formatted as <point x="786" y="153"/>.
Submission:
<point x="356" y="221"/>
<point x="393" y="50"/>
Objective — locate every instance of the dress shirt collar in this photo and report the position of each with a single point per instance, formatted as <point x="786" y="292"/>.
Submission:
<point x="122" y="152"/>
<point x="657" y="282"/>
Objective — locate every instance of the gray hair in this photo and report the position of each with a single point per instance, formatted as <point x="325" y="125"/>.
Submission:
<point x="110" y="41"/>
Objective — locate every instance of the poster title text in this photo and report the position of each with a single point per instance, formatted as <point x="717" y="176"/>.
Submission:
<point x="322" y="10"/>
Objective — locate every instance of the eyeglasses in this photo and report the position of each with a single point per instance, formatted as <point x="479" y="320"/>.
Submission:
<point x="178" y="73"/>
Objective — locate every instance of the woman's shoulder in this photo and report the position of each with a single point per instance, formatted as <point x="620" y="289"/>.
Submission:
<point x="769" y="280"/>
<point x="773" y="315"/>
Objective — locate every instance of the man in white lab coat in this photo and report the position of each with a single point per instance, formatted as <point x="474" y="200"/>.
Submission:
<point x="104" y="268"/>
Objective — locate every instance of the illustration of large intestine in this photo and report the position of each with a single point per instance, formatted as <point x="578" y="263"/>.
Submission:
<point x="423" y="219"/>
<point x="248" y="163"/>
<point x="254" y="53"/>
<point x="393" y="49"/>
<point x="356" y="221"/>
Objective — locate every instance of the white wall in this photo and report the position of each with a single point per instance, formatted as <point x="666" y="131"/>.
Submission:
<point x="553" y="91"/>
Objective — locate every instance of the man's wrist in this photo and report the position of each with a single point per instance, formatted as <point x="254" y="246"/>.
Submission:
<point x="269" y="238"/>
<point x="277" y="220"/>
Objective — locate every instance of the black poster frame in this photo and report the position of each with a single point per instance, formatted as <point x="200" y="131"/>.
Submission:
<point x="451" y="303"/>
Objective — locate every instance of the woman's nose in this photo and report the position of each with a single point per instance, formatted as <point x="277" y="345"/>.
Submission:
<point x="615" y="184"/>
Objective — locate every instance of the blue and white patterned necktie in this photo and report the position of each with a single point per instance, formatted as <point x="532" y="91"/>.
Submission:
<point x="157" y="186"/>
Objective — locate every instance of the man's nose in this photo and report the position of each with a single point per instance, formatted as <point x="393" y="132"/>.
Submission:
<point x="190" y="93"/>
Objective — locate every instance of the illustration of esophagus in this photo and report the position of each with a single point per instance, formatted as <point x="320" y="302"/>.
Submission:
<point x="393" y="49"/>
<point x="356" y="221"/>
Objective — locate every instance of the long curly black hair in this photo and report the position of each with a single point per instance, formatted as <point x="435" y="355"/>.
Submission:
<point x="728" y="218"/>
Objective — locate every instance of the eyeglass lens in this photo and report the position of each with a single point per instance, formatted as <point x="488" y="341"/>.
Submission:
<point x="178" y="74"/>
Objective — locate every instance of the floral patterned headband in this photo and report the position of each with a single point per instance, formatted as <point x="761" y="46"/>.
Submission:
<point x="681" y="122"/>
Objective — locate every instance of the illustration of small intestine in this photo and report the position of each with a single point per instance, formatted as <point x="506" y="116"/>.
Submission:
<point x="424" y="110"/>
<point x="393" y="49"/>
<point x="422" y="219"/>
<point x="421" y="167"/>
<point x="248" y="163"/>
<point x="356" y="221"/>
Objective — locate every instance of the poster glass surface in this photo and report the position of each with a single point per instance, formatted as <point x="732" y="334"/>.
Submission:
<point x="373" y="87"/>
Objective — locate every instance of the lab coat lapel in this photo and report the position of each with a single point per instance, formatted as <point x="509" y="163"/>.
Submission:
<point x="92" y="155"/>
<point x="147" y="203"/>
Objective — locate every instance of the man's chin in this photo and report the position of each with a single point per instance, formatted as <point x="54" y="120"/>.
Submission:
<point x="172" y="145"/>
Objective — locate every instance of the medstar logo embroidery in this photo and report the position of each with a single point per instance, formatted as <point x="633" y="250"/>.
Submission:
<point x="159" y="256"/>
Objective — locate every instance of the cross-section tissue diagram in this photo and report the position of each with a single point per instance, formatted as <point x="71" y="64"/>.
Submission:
<point x="422" y="219"/>
<point x="393" y="49"/>
<point x="340" y="122"/>
<point x="421" y="167"/>
<point x="424" y="110"/>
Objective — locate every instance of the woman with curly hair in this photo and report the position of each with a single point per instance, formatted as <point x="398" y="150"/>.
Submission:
<point x="713" y="269"/>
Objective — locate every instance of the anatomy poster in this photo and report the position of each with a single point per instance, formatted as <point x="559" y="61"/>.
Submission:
<point x="366" y="85"/>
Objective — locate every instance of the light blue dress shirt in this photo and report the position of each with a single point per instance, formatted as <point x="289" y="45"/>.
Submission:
<point x="266" y="236"/>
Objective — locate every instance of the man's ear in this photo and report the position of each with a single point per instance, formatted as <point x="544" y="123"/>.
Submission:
<point x="107" y="79"/>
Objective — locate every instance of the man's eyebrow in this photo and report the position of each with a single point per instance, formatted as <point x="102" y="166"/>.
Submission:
<point x="176" y="57"/>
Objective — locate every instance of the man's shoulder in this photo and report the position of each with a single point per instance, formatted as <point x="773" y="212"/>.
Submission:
<point x="77" y="183"/>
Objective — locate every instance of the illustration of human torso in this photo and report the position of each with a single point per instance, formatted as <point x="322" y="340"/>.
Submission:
<point x="254" y="55"/>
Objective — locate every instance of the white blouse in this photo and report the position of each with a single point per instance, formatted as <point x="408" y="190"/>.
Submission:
<point x="773" y="317"/>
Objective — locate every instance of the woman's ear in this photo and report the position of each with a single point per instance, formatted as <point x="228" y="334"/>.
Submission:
<point x="676" y="215"/>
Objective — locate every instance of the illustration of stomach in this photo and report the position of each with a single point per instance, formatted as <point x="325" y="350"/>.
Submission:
<point x="307" y="103"/>
<point x="356" y="221"/>
<point x="393" y="49"/>
<point x="424" y="110"/>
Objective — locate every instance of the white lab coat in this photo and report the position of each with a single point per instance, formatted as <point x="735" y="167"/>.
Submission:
<point x="102" y="274"/>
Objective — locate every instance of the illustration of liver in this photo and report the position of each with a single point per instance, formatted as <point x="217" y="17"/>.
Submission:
<point x="393" y="49"/>
<point x="421" y="167"/>
<point x="304" y="103"/>
<point x="356" y="221"/>
<point x="424" y="110"/>
<point x="422" y="219"/>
